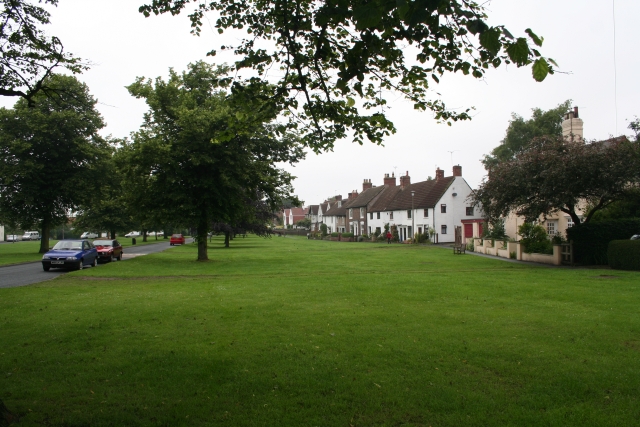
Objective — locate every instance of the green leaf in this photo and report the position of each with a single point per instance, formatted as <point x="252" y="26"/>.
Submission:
<point x="490" y="40"/>
<point x="476" y="26"/>
<point x="540" y="69"/>
<point x="367" y="16"/>
<point x="519" y="51"/>
<point x="537" y="40"/>
<point x="350" y="102"/>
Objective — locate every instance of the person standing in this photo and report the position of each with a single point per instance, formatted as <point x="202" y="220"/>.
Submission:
<point x="389" y="236"/>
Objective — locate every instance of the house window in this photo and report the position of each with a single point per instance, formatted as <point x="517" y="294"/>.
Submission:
<point x="426" y="213"/>
<point x="469" y="210"/>
<point x="443" y="229"/>
<point x="370" y="215"/>
<point x="551" y="228"/>
<point x="362" y="213"/>
<point x="443" y="208"/>
<point x="350" y="213"/>
<point x="390" y="215"/>
<point x="409" y="214"/>
<point x="377" y="215"/>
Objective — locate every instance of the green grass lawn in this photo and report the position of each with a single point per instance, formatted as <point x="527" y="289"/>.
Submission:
<point x="293" y="332"/>
<point x="19" y="252"/>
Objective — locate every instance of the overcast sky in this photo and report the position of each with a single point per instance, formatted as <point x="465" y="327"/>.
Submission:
<point x="579" y="34"/>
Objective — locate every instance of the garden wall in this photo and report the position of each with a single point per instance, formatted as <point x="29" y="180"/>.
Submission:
<point x="485" y="246"/>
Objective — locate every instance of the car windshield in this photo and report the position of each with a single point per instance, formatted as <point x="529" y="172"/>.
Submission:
<point x="176" y="235"/>
<point x="68" y="245"/>
<point x="102" y="242"/>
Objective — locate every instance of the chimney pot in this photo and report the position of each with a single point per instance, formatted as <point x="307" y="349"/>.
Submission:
<point x="389" y="181"/>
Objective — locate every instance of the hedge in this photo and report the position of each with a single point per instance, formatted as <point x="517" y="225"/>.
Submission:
<point x="624" y="254"/>
<point x="591" y="240"/>
<point x="334" y="234"/>
<point x="347" y="234"/>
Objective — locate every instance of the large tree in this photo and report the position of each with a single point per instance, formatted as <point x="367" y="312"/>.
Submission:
<point x="331" y="53"/>
<point x="552" y="174"/>
<point x="106" y="208"/>
<point x="49" y="156"/>
<point x="204" y="148"/>
<point x="521" y="132"/>
<point x="28" y="55"/>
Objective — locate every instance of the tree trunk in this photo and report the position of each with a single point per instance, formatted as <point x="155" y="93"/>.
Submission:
<point x="203" y="228"/>
<point x="144" y="235"/>
<point x="44" y="236"/>
<point x="226" y="239"/>
<point x="112" y="233"/>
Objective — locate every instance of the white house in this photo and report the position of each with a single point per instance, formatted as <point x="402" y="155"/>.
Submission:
<point x="439" y="204"/>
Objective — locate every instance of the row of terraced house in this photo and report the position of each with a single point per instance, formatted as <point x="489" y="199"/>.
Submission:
<point x="438" y="205"/>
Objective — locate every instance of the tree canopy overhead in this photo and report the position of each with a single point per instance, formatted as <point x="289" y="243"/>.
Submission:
<point x="27" y="55"/>
<point x="330" y="53"/>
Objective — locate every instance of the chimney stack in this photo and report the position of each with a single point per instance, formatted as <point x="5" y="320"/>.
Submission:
<point x="405" y="180"/>
<point x="366" y="184"/>
<point x="338" y="197"/>
<point x="353" y="194"/>
<point x="439" y="174"/>
<point x="389" y="180"/>
<point x="572" y="126"/>
<point x="457" y="170"/>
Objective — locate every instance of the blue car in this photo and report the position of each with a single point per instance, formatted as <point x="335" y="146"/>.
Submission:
<point x="71" y="254"/>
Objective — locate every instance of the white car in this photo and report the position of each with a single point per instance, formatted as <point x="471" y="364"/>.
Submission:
<point x="13" y="238"/>
<point x="133" y="234"/>
<point x="31" y="235"/>
<point x="89" y="235"/>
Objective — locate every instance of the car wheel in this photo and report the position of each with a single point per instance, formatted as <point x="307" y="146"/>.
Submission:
<point x="81" y="264"/>
<point x="45" y="268"/>
<point x="119" y="257"/>
<point x="112" y="258"/>
<point x="95" y="262"/>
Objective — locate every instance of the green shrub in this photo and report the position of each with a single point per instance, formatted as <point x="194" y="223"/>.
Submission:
<point x="421" y="238"/>
<point x="323" y="229"/>
<point x="534" y="239"/>
<point x="347" y="235"/>
<point x="471" y="245"/>
<point x="591" y="240"/>
<point x="335" y="234"/>
<point x="513" y="255"/>
<point x="624" y="254"/>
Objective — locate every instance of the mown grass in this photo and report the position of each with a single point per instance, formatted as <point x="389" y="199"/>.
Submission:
<point x="20" y="252"/>
<point x="309" y="333"/>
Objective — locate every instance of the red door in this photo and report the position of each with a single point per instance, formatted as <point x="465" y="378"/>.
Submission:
<point x="468" y="230"/>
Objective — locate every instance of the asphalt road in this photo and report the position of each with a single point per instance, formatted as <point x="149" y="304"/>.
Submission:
<point x="27" y="274"/>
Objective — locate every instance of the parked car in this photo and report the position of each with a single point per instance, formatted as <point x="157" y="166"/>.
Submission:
<point x="13" y="238"/>
<point x="89" y="235"/>
<point x="176" y="239"/>
<point x="108" y="250"/>
<point x="71" y="254"/>
<point x="635" y="237"/>
<point x="132" y="234"/>
<point x="155" y="233"/>
<point x="31" y="235"/>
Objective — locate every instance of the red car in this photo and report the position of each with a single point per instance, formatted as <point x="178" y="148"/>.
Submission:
<point x="108" y="250"/>
<point x="176" y="239"/>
